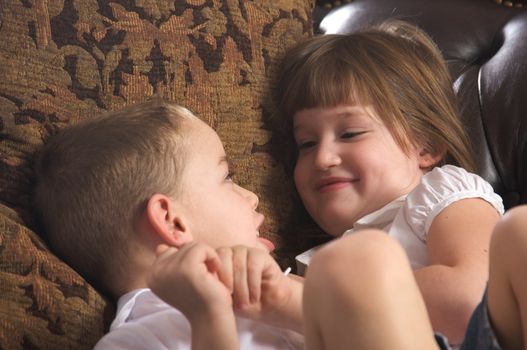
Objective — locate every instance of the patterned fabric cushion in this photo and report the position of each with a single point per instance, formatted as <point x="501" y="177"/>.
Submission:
<point x="62" y="61"/>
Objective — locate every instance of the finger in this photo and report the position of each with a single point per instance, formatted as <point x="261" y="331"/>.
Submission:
<point x="225" y="272"/>
<point x="271" y="269"/>
<point x="169" y="252"/>
<point x="165" y="255"/>
<point x="164" y="262"/>
<point x="168" y="260"/>
<point x="212" y="262"/>
<point x="256" y="262"/>
<point x="203" y="254"/>
<point x="239" y="269"/>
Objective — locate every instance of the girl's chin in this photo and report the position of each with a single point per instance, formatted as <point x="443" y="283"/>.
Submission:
<point x="335" y="227"/>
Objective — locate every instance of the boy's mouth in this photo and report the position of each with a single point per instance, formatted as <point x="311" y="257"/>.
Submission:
<point x="266" y="243"/>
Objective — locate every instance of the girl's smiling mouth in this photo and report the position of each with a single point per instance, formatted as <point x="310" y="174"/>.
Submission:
<point x="334" y="183"/>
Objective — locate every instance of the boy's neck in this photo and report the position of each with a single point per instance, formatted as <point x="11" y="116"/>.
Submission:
<point x="133" y="273"/>
<point x="130" y="283"/>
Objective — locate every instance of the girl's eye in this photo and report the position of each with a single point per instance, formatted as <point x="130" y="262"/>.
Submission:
<point x="306" y="145"/>
<point x="350" y="134"/>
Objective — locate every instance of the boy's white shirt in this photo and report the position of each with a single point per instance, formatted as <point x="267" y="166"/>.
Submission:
<point x="408" y="218"/>
<point x="144" y="321"/>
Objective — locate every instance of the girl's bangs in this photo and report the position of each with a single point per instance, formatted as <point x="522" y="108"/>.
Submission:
<point x="324" y="86"/>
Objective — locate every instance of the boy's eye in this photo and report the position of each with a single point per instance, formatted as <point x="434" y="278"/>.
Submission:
<point x="229" y="176"/>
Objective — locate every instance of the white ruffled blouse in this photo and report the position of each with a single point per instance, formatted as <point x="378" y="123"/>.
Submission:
<point x="409" y="217"/>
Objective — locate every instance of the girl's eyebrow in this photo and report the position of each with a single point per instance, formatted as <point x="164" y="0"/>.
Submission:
<point x="296" y="128"/>
<point x="349" y="112"/>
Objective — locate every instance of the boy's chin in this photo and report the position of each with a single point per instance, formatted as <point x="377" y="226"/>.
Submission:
<point x="266" y="244"/>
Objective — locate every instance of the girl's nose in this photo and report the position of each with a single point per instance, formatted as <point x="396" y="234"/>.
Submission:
<point x="327" y="156"/>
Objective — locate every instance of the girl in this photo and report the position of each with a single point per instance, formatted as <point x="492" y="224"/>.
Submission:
<point x="373" y="118"/>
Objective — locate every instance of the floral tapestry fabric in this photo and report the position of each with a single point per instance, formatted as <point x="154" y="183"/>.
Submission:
<point x="62" y="61"/>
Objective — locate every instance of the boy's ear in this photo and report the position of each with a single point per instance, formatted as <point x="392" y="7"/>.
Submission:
<point x="429" y="159"/>
<point x="167" y="221"/>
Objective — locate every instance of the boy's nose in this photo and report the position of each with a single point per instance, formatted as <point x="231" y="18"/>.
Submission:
<point x="326" y="156"/>
<point x="254" y="200"/>
<point x="251" y="197"/>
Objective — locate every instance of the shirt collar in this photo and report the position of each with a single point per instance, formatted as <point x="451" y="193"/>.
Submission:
<point x="381" y="218"/>
<point x="125" y="304"/>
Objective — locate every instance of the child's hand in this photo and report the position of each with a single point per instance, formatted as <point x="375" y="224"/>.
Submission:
<point x="260" y="290"/>
<point x="187" y="279"/>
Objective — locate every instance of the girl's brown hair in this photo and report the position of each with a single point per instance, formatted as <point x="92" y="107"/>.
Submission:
<point x="394" y="67"/>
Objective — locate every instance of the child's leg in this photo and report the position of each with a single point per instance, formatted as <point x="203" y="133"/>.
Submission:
<point x="360" y="293"/>
<point x="507" y="288"/>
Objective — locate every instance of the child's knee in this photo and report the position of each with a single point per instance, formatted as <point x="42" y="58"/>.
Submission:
<point x="510" y="234"/>
<point x="365" y="256"/>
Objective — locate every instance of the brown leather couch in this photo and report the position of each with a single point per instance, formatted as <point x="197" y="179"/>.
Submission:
<point x="485" y="46"/>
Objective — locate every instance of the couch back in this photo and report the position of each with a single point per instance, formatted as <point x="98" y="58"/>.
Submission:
<point x="485" y="46"/>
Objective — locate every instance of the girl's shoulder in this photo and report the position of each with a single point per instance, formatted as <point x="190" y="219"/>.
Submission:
<point x="441" y="187"/>
<point x="449" y="181"/>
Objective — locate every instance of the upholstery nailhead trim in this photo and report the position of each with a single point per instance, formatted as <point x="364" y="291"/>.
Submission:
<point x="328" y="4"/>
<point x="509" y="3"/>
<point x="331" y="4"/>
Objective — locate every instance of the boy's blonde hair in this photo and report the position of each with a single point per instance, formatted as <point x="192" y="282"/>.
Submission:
<point x="395" y="68"/>
<point x="94" y="179"/>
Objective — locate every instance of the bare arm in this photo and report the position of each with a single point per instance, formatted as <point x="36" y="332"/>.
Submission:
<point x="453" y="283"/>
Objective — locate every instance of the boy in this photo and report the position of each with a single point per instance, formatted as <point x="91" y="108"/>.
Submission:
<point x="112" y="191"/>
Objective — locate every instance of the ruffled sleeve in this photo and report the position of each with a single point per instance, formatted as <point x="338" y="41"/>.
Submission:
<point x="438" y="189"/>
